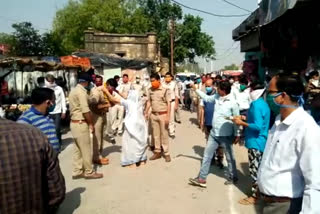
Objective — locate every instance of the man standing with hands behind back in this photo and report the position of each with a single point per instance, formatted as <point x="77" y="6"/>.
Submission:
<point x="81" y="126"/>
<point x="159" y="99"/>
<point x="289" y="175"/>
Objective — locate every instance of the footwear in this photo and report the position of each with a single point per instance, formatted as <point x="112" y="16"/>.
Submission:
<point x="155" y="156"/>
<point x="178" y="122"/>
<point x="112" y="141"/>
<point x="102" y="161"/>
<point x="151" y="148"/>
<point x="75" y="177"/>
<point x="198" y="182"/>
<point x="231" y="181"/>
<point x="172" y="136"/>
<point x="167" y="158"/>
<point x="93" y="175"/>
<point x="248" y="201"/>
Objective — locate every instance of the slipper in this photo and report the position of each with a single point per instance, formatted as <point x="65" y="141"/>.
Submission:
<point x="248" y="201"/>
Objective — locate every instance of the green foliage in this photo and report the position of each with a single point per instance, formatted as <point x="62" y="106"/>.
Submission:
<point x="112" y="16"/>
<point x="230" y="67"/>
<point x="10" y="40"/>
<point x="28" y="40"/>
<point x="190" y="41"/>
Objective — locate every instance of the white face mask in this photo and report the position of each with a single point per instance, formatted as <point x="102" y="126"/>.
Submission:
<point x="256" y="94"/>
<point x="231" y="81"/>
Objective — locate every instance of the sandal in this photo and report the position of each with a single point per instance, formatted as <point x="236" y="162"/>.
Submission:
<point x="248" y="201"/>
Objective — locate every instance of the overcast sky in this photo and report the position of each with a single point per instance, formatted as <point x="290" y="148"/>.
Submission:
<point x="41" y="13"/>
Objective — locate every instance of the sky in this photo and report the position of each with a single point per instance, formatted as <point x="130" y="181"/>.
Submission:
<point x="41" y="13"/>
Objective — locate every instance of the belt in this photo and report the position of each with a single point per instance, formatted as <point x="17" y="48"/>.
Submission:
<point x="173" y="100"/>
<point x="274" y="199"/>
<point x="78" y="121"/>
<point x="160" y="113"/>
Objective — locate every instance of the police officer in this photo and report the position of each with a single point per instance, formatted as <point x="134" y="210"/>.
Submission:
<point x="81" y="127"/>
<point x="99" y="107"/>
<point x="159" y="99"/>
<point x="174" y="100"/>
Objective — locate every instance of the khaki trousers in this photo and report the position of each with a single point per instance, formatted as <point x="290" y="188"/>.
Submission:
<point x="99" y="122"/>
<point x="172" y="130"/>
<point x="160" y="133"/>
<point x="82" y="155"/>
<point x="115" y="119"/>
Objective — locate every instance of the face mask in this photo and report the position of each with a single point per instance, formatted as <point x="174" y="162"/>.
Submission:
<point x="155" y="84"/>
<point x="51" y="108"/>
<point x="209" y="90"/>
<point x="198" y="80"/>
<point x="231" y="81"/>
<point x="243" y="87"/>
<point x="89" y="87"/>
<point x="168" y="79"/>
<point x="272" y="104"/>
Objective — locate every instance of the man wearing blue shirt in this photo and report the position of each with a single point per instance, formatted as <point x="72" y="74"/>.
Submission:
<point x="222" y="133"/>
<point x="256" y="134"/>
<point x="43" y="102"/>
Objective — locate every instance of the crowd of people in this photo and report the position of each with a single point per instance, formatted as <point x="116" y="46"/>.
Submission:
<point x="271" y="121"/>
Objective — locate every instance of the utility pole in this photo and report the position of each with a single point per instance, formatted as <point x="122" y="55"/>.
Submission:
<point x="172" y="29"/>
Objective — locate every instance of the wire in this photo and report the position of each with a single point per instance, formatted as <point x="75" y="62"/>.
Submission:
<point x="232" y="52"/>
<point x="236" y="6"/>
<point x="209" y="13"/>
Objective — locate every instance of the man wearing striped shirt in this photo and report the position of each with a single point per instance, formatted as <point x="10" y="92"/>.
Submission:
<point x="43" y="102"/>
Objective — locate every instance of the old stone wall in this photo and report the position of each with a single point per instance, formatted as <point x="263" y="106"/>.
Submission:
<point x="124" y="45"/>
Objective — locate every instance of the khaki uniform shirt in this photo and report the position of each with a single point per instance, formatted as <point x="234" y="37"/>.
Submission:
<point x="96" y="98"/>
<point x="124" y="88"/>
<point x="79" y="102"/>
<point x="173" y="87"/>
<point x="159" y="99"/>
<point x="139" y="88"/>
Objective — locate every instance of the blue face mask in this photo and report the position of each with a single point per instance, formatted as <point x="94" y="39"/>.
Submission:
<point x="209" y="90"/>
<point x="198" y="80"/>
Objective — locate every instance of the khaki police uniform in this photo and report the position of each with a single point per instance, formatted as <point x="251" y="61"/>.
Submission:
<point x="174" y="92"/>
<point x="159" y="99"/>
<point x="82" y="156"/>
<point x="99" y="120"/>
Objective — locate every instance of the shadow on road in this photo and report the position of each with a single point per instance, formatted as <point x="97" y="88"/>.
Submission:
<point x="194" y="121"/>
<point x="72" y="201"/>
<point x="111" y="149"/>
<point x="66" y="142"/>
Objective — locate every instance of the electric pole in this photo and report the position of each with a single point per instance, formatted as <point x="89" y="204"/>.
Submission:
<point x="172" y="29"/>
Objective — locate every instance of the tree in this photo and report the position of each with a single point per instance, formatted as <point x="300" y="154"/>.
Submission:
<point x="112" y="16"/>
<point x="10" y="40"/>
<point x="190" y="41"/>
<point x="231" y="67"/>
<point x="28" y="40"/>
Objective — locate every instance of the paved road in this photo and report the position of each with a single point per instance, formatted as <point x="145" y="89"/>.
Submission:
<point x="158" y="187"/>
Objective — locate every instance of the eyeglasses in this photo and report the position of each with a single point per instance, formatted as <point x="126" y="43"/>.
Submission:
<point x="272" y="92"/>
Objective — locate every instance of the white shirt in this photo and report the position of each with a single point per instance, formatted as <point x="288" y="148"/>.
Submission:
<point x="290" y="165"/>
<point x="61" y="105"/>
<point x="173" y="87"/>
<point x="242" y="98"/>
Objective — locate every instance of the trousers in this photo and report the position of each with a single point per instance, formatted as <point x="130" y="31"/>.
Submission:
<point x="160" y="133"/>
<point x="255" y="157"/>
<point x="171" y="122"/>
<point x="57" y="121"/>
<point x="99" y="122"/>
<point x="116" y="117"/>
<point x="82" y="155"/>
<point x="212" y="145"/>
<point x="290" y="207"/>
<point x="177" y="115"/>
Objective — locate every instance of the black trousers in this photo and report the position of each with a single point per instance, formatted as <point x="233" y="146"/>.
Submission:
<point x="57" y="121"/>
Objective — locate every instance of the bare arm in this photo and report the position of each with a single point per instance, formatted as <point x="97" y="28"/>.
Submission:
<point x="110" y="97"/>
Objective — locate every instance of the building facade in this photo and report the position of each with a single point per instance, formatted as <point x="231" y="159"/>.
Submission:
<point x="133" y="46"/>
